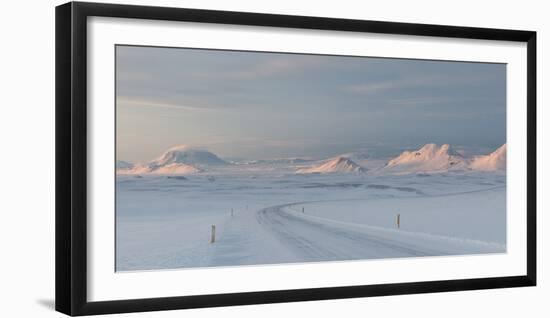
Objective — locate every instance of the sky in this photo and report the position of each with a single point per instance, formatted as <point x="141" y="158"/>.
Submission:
<point x="257" y="105"/>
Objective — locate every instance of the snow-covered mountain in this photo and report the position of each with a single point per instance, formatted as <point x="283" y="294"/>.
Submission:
<point x="172" y="168"/>
<point x="176" y="168"/>
<point x="338" y="164"/>
<point x="176" y="160"/>
<point x="429" y="158"/>
<point x="186" y="155"/>
<point x="491" y="162"/>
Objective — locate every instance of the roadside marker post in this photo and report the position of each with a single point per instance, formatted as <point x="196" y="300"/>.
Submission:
<point x="213" y="235"/>
<point x="398" y="221"/>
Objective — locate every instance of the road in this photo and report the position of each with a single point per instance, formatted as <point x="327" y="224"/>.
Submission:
<point x="312" y="238"/>
<point x="316" y="240"/>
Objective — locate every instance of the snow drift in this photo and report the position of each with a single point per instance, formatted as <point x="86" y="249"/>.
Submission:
<point x="429" y="158"/>
<point x="491" y="162"/>
<point x="338" y="164"/>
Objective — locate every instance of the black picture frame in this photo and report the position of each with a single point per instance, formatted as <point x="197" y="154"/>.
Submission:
<point x="71" y="157"/>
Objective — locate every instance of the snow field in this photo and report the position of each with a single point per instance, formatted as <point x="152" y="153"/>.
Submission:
<point x="164" y="222"/>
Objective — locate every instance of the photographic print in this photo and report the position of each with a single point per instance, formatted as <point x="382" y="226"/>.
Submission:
<point x="233" y="158"/>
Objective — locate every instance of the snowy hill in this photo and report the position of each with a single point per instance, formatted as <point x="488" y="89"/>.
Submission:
<point x="491" y="162"/>
<point x="176" y="160"/>
<point x="338" y="164"/>
<point x="429" y="158"/>
<point x="172" y="168"/>
<point x="176" y="168"/>
<point x="189" y="156"/>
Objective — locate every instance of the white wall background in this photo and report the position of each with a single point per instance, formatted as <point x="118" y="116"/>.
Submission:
<point x="27" y="158"/>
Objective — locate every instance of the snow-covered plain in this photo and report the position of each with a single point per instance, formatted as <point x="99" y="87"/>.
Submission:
<point x="266" y="213"/>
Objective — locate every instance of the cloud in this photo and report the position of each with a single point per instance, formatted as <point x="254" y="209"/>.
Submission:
<point x="420" y="101"/>
<point x="137" y="102"/>
<point x="266" y="68"/>
<point x="132" y="76"/>
<point x="390" y="85"/>
<point x="371" y="88"/>
<point x="422" y="81"/>
<point x="270" y="68"/>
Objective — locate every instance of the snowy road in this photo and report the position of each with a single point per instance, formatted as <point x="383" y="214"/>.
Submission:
<point x="315" y="238"/>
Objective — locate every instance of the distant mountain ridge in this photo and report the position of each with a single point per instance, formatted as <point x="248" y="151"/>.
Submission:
<point x="429" y="158"/>
<point x="491" y="162"/>
<point x="186" y="155"/>
<point x="338" y="164"/>
<point x="434" y="158"/>
<point x="176" y="160"/>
